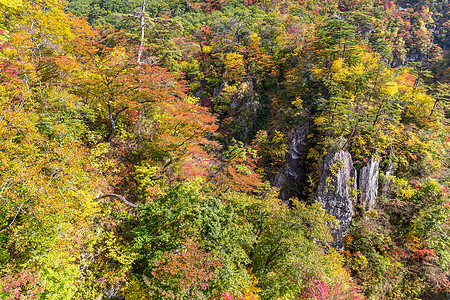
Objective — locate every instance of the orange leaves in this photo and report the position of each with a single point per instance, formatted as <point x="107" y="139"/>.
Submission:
<point x="182" y="123"/>
<point x="187" y="272"/>
<point x="424" y="254"/>
<point x="110" y="80"/>
<point x="182" y="130"/>
<point x="242" y="178"/>
<point x="260" y="65"/>
<point x="238" y="168"/>
<point x="208" y="6"/>
<point x="160" y="84"/>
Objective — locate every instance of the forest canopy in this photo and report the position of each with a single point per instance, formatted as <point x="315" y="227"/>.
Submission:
<point x="224" y="149"/>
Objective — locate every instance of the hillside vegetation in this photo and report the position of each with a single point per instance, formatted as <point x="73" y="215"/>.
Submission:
<point x="224" y="149"/>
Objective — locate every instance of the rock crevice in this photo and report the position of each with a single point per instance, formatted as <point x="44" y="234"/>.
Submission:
<point x="290" y="178"/>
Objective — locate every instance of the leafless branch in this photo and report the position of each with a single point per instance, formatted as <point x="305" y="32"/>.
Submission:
<point x="119" y="197"/>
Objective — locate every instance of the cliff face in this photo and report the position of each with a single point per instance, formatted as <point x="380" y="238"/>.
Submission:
<point x="340" y="188"/>
<point x="337" y="187"/>
<point x="368" y="183"/>
<point x="290" y="178"/>
<point x="387" y="181"/>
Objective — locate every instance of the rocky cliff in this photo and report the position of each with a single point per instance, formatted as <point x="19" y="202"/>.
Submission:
<point x="338" y="186"/>
<point x="368" y="183"/>
<point x="291" y="177"/>
<point x="336" y="191"/>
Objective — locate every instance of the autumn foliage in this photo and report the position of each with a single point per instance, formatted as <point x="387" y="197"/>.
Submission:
<point x="141" y="142"/>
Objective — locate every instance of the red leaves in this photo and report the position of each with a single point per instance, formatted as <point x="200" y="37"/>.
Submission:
<point x="424" y="254"/>
<point x="23" y="285"/>
<point x="228" y="296"/>
<point x="316" y="290"/>
<point x="249" y="2"/>
<point x="208" y="6"/>
<point x="322" y="289"/>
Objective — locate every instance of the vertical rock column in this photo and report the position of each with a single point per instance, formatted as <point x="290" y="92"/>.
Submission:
<point x="335" y="189"/>
<point x="368" y="183"/>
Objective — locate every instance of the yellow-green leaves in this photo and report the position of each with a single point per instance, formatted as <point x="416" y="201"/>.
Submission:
<point x="11" y="3"/>
<point x="234" y="66"/>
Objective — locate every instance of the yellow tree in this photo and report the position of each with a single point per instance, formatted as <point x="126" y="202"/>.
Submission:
<point x="47" y="187"/>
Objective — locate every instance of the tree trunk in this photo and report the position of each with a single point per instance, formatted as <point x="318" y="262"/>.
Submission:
<point x="142" y="26"/>
<point x="113" y="124"/>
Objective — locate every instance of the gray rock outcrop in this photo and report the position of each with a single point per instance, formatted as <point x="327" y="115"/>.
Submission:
<point x="336" y="186"/>
<point x="386" y="189"/>
<point x="368" y="183"/>
<point x="285" y="180"/>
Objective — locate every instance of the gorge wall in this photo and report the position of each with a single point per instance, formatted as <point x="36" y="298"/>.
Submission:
<point x="337" y="187"/>
<point x="341" y="188"/>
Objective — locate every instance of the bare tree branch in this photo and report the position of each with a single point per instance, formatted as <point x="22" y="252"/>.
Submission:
<point x="119" y="197"/>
